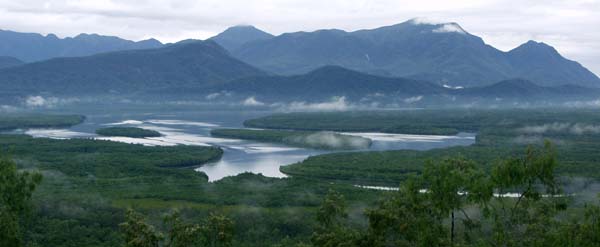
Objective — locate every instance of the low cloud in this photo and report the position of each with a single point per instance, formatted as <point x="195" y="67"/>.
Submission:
<point x="576" y="129"/>
<point x="212" y="96"/>
<point x="37" y="101"/>
<point x="251" y="101"/>
<point x="216" y="95"/>
<point x="336" y="104"/>
<point x="413" y="99"/>
<point x="450" y="28"/>
<point x="334" y="141"/>
<point x="583" y="104"/>
<point x="8" y="108"/>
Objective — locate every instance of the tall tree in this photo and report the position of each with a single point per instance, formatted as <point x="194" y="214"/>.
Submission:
<point x="332" y="219"/>
<point x="182" y="234"/>
<point x="218" y="231"/>
<point x="137" y="232"/>
<point x="16" y="189"/>
<point x="527" y="199"/>
<point x="453" y="184"/>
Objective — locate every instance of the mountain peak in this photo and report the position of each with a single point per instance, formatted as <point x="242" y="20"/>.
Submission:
<point x="236" y="36"/>
<point x="533" y="45"/>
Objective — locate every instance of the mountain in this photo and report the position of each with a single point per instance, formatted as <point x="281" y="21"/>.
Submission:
<point x="6" y="62"/>
<point x="541" y="62"/>
<point x="525" y="90"/>
<point x="236" y="36"/>
<point x="331" y="82"/>
<point x="199" y="63"/>
<point x="31" y="47"/>
<point x="325" y="83"/>
<point x="443" y="53"/>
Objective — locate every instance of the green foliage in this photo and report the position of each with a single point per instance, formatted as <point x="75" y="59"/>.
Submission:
<point x="216" y="231"/>
<point x="332" y="218"/>
<point x="16" y="189"/>
<point x="528" y="219"/>
<point x="307" y="139"/>
<point x="501" y="133"/>
<point x="422" y="213"/>
<point x="181" y="234"/>
<point x="16" y="121"/>
<point x="138" y="233"/>
<point x="406" y="122"/>
<point x="127" y="132"/>
<point x="407" y="219"/>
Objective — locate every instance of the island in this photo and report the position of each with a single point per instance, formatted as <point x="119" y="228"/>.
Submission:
<point x="132" y="132"/>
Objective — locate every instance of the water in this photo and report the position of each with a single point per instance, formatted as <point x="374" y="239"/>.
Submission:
<point x="192" y="127"/>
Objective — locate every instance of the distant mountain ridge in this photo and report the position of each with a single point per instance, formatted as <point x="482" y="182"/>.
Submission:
<point x="443" y="53"/>
<point x="32" y="47"/>
<point x="330" y="82"/>
<point x="6" y="62"/>
<point x="199" y="63"/>
<point x="326" y="82"/>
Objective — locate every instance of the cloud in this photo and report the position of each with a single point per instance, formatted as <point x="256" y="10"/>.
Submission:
<point x="413" y="99"/>
<point x="336" y="104"/>
<point x="576" y="129"/>
<point x="37" y="101"/>
<point x="8" y="108"/>
<point x="213" y="96"/>
<point x="450" y="28"/>
<point x="218" y="94"/>
<point x="333" y="140"/>
<point x="251" y="101"/>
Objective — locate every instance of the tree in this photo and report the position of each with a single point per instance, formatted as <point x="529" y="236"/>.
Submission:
<point x="217" y="231"/>
<point x="137" y="232"/>
<point x="527" y="199"/>
<point x="332" y="229"/>
<point x="16" y="189"/>
<point x="451" y="185"/>
<point x="409" y="218"/>
<point x="182" y="234"/>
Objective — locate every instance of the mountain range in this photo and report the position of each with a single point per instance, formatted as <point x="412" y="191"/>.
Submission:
<point x="332" y="82"/>
<point x="442" y="53"/>
<point x="444" y="65"/>
<point x="199" y="63"/>
<point x="31" y="47"/>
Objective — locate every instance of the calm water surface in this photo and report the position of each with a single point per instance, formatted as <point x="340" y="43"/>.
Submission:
<point x="192" y="127"/>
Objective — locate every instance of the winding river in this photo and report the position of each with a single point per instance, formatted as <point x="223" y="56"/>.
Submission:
<point x="192" y="127"/>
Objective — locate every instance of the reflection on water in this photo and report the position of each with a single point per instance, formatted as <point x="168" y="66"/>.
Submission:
<point x="193" y="128"/>
<point x="238" y="161"/>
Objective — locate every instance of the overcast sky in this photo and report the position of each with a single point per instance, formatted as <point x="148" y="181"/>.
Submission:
<point x="572" y="26"/>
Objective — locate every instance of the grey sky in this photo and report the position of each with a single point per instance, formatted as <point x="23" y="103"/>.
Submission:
<point x="572" y="26"/>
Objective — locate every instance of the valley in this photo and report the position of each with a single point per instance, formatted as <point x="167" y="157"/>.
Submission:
<point x="410" y="133"/>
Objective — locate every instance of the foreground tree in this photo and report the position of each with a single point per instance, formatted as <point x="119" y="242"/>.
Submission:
<point x="216" y="231"/>
<point x="517" y="204"/>
<point x="182" y="234"/>
<point x="16" y="189"/>
<point x="137" y="232"/>
<point x="527" y="199"/>
<point x="453" y="184"/>
<point x="332" y="218"/>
